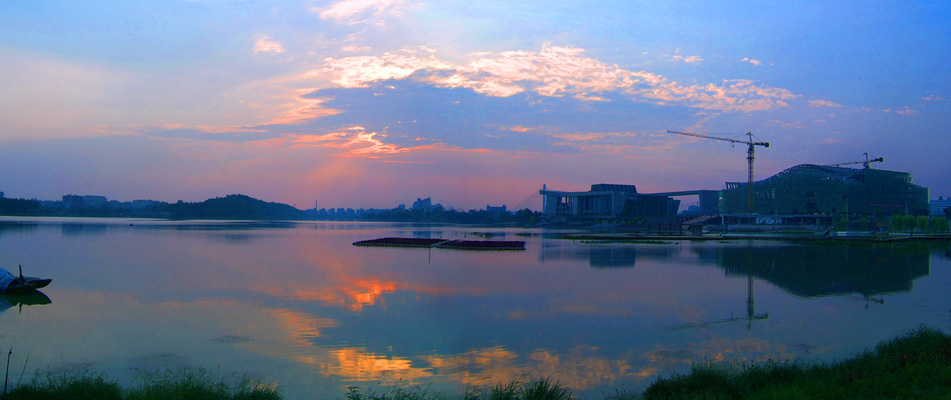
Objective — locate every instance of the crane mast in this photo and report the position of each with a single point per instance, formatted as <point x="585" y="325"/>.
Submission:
<point x="750" y="156"/>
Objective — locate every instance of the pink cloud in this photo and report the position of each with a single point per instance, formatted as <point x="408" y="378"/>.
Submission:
<point x="554" y="71"/>
<point x="823" y="103"/>
<point x="264" y="44"/>
<point x="522" y="128"/>
<point x="301" y="109"/>
<point x="902" y="111"/>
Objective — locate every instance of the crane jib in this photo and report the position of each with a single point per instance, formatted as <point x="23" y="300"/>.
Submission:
<point x="749" y="157"/>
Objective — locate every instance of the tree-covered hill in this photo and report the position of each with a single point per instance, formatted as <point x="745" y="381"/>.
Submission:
<point x="235" y="206"/>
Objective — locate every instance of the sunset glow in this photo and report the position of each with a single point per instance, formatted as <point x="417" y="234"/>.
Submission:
<point x="373" y="103"/>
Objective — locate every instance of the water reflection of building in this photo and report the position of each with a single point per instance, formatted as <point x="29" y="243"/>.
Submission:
<point x="74" y="229"/>
<point x="605" y="255"/>
<point x="814" y="271"/>
<point x="17" y="227"/>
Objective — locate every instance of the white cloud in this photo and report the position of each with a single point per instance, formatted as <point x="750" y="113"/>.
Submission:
<point x="554" y="71"/>
<point x="752" y="61"/>
<point x="353" y="12"/>
<point x="264" y="44"/>
<point x="688" y="59"/>
<point x="361" y="70"/>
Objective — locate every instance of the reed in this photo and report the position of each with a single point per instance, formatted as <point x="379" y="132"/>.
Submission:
<point x="186" y="383"/>
<point x="915" y="365"/>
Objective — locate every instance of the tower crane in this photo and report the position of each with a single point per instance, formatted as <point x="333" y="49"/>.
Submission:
<point x="749" y="156"/>
<point x="865" y="163"/>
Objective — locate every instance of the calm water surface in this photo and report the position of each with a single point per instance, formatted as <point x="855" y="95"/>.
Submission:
<point x="297" y="304"/>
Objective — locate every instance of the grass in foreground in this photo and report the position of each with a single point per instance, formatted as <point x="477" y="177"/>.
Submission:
<point x="916" y="365"/>
<point x="198" y="384"/>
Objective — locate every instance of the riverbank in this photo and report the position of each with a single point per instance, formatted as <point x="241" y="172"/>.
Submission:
<point x="792" y="237"/>
<point x="915" y="365"/>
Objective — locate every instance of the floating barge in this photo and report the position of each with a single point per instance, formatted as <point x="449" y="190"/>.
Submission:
<point x="483" y="244"/>
<point x="444" y="243"/>
<point x="400" y="242"/>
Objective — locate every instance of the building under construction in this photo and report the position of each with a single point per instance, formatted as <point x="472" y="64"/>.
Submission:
<point x="818" y="189"/>
<point x="803" y="190"/>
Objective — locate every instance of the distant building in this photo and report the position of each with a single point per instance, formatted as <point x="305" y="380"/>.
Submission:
<point x="143" y="204"/>
<point x="422" y="204"/>
<point x="606" y="201"/>
<point x="94" y="201"/>
<point x="52" y="204"/>
<point x="496" y="211"/>
<point x="817" y="189"/>
<point x="492" y="209"/>
<point x="136" y="205"/>
<point x="425" y="204"/>
<point x="936" y="208"/>
<point x="74" y="201"/>
<point x="691" y="211"/>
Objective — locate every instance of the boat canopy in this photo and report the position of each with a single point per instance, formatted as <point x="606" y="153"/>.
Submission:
<point x="6" y="278"/>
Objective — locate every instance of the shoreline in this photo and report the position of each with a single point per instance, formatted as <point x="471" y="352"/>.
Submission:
<point x="634" y="237"/>
<point x="916" y="364"/>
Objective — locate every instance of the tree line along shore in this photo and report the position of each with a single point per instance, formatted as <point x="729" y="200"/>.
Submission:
<point x="241" y="207"/>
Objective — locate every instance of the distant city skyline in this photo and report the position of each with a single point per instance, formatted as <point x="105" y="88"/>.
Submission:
<point x="97" y="200"/>
<point x="364" y="103"/>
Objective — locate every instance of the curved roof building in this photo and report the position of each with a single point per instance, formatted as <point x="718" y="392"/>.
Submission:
<point x="812" y="189"/>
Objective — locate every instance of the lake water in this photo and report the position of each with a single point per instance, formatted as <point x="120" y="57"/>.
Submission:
<point x="297" y="304"/>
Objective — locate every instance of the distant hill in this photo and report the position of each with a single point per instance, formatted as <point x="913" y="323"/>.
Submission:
<point x="235" y="206"/>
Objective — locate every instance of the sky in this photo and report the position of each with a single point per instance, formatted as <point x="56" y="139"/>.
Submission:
<point x="373" y="103"/>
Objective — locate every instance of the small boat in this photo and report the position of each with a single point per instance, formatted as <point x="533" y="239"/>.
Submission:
<point x="10" y="283"/>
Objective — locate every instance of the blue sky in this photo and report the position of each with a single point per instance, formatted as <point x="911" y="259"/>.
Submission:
<point x="371" y="103"/>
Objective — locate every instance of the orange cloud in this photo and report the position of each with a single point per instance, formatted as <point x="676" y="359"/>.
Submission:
<point x="359" y="365"/>
<point x="580" y="368"/>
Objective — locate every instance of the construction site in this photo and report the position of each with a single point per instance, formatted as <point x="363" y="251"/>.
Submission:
<point x="801" y="195"/>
